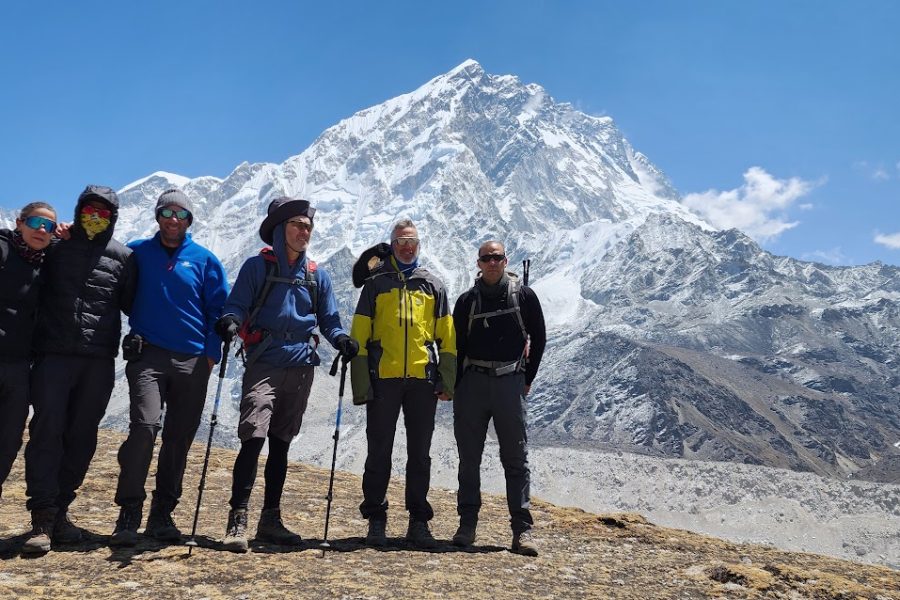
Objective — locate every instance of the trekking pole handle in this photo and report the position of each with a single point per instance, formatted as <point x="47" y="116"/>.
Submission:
<point x="343" y="379"/>
<point x="226" y="347"/>
<point x="334" y="365"/>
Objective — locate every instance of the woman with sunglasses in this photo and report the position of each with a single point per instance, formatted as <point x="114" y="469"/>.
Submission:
<point x="21" y="256"/>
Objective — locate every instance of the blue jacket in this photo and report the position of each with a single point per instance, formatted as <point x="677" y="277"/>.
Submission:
<point x="287" y="313"/>
<point x="179" y="298"/>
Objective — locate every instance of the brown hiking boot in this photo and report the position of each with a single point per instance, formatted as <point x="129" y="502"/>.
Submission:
<point x="236" y="531"/>
<point x="270" y="529"/>
<point x="38" y="541"/>
<point x="65" y="531"/>
<point x="523" y="543"/>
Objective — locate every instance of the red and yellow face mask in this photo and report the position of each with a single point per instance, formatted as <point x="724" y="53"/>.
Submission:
<point x="94" y="220"/>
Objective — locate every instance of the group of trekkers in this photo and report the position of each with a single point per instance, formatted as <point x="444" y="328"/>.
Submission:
<point x="63" y="287"/>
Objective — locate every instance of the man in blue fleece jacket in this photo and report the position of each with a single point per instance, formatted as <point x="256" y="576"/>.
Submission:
<point x="281" y="354"/>
<point x="171" y="351"/>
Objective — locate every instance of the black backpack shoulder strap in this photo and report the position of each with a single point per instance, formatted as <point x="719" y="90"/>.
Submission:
<point x="271" y="262"/>
<point x="512" y="305"/>
<point x="475" y="306"/>
<point x="310" y="281"/>
<point x="512" y="301"/>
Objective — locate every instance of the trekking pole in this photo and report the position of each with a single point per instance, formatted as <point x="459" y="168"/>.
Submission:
<point x="191" y="543"/>
<point x="526" y="266"/>
<point x="337" y="434"/>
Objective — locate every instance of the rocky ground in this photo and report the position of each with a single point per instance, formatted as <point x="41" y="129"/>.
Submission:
<point x="583" y="555"/>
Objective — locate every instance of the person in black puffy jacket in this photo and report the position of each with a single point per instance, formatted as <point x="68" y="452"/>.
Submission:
<point x="92" y="277"/>
<point x="21" y="256"/>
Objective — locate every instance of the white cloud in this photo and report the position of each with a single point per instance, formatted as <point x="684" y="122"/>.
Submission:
<point x="891" y="240"/>
<point x="833" y="256"/>
<point x="876" y="172"/>
<point x="758" y="208"/>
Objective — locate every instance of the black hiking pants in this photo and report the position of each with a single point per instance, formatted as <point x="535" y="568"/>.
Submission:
<point x="69" y="395"/>
<point x="479" y="398"/>
<point x="161" y="379"/>
<point x="415" y="397"/>
<point x="13" y="412"/>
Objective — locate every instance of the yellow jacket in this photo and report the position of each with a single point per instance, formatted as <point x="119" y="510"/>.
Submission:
<point x="405" y="329"/>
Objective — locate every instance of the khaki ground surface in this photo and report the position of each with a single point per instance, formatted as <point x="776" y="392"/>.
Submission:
<point x="583" y="555"/>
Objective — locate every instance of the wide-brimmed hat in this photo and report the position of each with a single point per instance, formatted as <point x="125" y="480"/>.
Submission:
<point x="280" y="210"/>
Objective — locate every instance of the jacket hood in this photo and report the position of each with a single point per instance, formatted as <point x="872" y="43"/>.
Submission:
<point x="278" y="247"/>
<point x="103" y="194"/>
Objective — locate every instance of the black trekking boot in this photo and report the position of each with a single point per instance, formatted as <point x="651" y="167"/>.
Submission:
<point x="160" y="525"/>
<point x="377" y="534"/>
<point x="419" y="534"/>
<point x="236" y="532"/>
<point x="271" y="529"/>
<point x="465" y="534"/>
<point x="64" y="529"/>
<point x="125" y="533"/>
<point x="39" y="541"/>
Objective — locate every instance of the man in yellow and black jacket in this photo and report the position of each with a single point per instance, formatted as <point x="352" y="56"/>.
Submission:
<point x="407" y="360"/>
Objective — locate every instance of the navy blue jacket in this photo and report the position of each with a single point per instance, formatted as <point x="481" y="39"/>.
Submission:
<point x="287" y="314"/>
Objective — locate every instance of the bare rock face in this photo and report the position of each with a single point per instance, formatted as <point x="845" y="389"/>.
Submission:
<point x="582" y="555"/>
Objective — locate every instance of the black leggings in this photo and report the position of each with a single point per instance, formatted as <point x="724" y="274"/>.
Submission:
<point x="244" y="473"/>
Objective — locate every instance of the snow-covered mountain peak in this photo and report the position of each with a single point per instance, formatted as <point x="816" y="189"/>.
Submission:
<point x="660" y="325"/>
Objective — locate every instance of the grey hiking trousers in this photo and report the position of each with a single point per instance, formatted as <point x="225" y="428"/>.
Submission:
<point x="479" y="398"/>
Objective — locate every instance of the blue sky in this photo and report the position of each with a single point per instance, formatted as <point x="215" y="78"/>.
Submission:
<point x="780" y="117"/>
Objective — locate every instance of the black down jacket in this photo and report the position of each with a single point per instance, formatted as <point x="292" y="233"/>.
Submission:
<point x="19" y="284"/>
<point x="88" y="282"/>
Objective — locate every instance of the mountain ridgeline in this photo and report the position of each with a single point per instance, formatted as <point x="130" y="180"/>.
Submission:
<point x="667" y="337"/>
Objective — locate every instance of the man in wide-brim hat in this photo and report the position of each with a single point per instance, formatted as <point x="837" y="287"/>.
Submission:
<point x="279" y="298"/>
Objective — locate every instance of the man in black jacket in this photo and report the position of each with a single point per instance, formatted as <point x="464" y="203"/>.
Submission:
<point x="500" y="338"/>
<point x="93" y="278"/>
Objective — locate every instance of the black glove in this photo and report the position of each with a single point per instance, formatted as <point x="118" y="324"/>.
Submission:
<point x="362" y="268"/>
<point x="227" y="327"/>
<point x="347" y="346"/>
<point x="382" y="250"/>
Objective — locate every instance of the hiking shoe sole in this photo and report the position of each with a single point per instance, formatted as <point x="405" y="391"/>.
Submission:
<point x="124" y="539"/>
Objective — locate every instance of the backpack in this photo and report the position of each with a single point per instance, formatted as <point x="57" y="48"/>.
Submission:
<point x="512" y="307"/>
<point x="255" y="336"/>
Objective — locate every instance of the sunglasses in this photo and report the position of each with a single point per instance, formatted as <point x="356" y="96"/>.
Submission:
<point x="103" y="213"/>
<point x="407" y="241"/>
<point x="492" y="258"/>
<point x="301" y="225"/>
<point x="168" y="213"/>
<point x="35" y="222"/>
